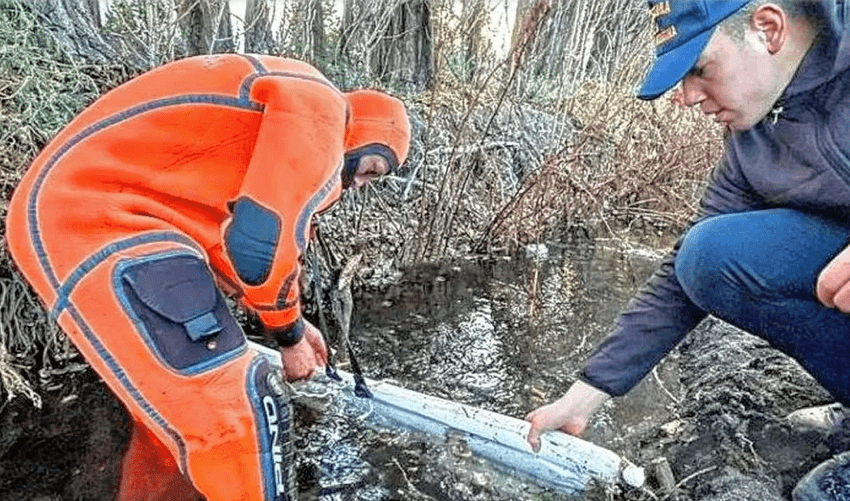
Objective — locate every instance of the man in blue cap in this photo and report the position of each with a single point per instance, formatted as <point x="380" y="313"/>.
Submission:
<point x="769" y="250"/>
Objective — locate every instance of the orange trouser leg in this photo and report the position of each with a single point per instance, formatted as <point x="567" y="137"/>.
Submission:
<point x="213" y="407"/>
<point x="149" y="472"/>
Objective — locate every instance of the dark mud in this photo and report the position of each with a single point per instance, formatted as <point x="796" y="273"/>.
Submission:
<point x="70" y="449"/>
<point x="728" y="440"/>
<point x="504" y="334"/>
<point x="712" y="410"/>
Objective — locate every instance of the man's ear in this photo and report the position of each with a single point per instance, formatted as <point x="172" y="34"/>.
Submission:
<point x="771" y="23"/>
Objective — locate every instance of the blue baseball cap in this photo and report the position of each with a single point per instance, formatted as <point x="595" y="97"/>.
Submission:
<point x="683" y="29"/>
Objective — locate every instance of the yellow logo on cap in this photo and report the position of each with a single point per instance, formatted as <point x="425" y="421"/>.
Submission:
<point x="659" y="9"/>
<point x="665" y="35"/>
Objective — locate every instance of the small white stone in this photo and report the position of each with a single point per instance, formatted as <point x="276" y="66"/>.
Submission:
<point x="633" y="475"/>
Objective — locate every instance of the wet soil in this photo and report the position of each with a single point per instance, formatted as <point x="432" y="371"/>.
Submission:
<point x="504" y="334"/>
<point x="712" y="410"/>
<point x="70" y="449"/>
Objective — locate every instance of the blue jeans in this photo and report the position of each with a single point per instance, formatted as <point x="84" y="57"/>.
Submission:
<point x="758" y="270"/>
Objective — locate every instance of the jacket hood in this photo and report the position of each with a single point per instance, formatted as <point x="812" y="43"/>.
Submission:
<point x="830" y="53"/>
<point x="377" y="119"/>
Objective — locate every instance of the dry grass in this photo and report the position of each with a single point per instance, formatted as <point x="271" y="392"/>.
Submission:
<point x="12" y="382"/>
<point x="499" y="159"/>
<point x="628" y="162"/>
<point x="483" y="179"/>
<point x="41" y="89"/>
<point x="510" y="157"/>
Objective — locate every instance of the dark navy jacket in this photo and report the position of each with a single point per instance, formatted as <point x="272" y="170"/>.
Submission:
<point x="802" y="161"/>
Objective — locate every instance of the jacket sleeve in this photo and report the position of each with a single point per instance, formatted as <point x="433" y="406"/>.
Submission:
<point x="294" y="168"/>
<point x="660" y="314"/>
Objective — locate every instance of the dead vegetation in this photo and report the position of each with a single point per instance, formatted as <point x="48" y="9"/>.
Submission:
<point x="500" y="158"/>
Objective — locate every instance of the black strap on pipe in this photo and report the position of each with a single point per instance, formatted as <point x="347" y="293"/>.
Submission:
<point x="360" y="387"/>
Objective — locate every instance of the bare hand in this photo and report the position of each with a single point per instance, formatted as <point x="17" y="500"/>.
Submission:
<point x="301" y="360"/>
<point x="570" y="414"/>
<point x="833" y="287"/>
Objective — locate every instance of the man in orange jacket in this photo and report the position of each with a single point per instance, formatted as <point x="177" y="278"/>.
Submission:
<point x="200" y="174"/>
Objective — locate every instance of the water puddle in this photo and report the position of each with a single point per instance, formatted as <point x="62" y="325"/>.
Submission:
<point x="506" y="335"/>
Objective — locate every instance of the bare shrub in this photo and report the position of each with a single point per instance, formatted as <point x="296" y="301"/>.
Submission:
<point x="489" y="175"/>
<point x="12" y="383"/>
<point x="501" y="154"/>
<point x="628" y="162"/>
<point x="576" y="41"/>
<point x="41" y="89"/>
<point x="147" y="31"/>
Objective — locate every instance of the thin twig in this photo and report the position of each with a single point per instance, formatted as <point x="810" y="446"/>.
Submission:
<point x="410" y="485"/>
<point x="661" y="385"/>
<point x="688" y="479"/>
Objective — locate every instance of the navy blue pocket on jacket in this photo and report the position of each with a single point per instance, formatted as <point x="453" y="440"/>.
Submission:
<point x="180" y="312"/>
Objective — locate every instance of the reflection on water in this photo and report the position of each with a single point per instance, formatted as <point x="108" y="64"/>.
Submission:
<point x="467" y="356"/>
<point x="507" y="335"/>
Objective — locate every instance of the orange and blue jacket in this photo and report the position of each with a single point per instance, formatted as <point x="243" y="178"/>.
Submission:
<point x="234" y="152"/>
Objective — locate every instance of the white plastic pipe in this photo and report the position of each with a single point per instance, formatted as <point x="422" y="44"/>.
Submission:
<point x="564" y="462"/>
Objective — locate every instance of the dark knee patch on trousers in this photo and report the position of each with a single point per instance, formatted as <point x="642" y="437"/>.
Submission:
<point x="181" y="312"/>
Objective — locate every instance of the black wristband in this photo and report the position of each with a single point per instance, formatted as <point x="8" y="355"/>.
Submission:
<point x="290" y="335"/>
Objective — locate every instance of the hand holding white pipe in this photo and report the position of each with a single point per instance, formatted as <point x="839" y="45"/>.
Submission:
<point x="570" y="413"/>
<point x="301" y="360"/>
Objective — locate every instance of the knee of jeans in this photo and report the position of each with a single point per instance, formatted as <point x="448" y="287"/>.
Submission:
<point x="828" y="481"/>
<point x="699" y="266"/>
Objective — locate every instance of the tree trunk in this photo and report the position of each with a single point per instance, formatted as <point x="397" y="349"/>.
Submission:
<point x="206" y="24"/>
<point x="346" y="28"/>
<point x="530" y="18"/>
<point x="472" y="28"/>
<point x="75" y="25"/>
<point x="580" y="39"/>
<point x="403" y="50"/>
<point x="259" y="38"/>
<point x="394" y="37"/>
<point x="314" y="29"/>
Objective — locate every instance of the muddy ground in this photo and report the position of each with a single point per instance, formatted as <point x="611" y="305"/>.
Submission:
<point x="712" y="412"/>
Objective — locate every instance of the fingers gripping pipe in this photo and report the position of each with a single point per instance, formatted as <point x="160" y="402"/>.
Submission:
<point x="564" y="462"/>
